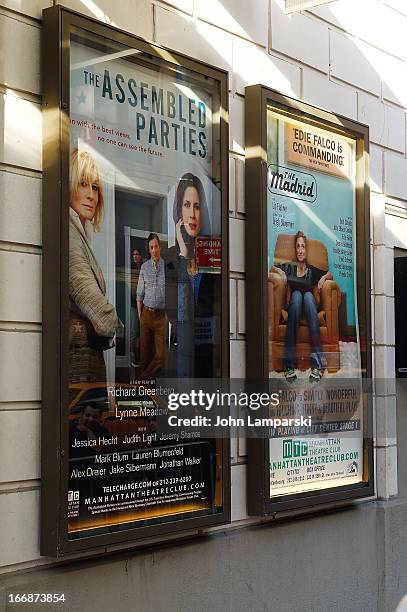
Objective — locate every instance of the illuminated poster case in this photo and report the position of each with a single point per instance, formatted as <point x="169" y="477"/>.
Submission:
<point x="135" y="283"/>
<point x="308" y="302"/>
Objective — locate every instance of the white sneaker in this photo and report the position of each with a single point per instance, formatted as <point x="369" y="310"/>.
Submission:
<point x="315" y="375"/>
<point x="290" y="375"/>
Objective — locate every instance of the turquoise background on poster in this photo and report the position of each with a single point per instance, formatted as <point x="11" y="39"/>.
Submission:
<point x="335" y="200"/>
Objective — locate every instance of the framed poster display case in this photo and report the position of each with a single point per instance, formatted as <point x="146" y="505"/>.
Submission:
<point x="308" y="302"/>
<point x="134" y="190"/>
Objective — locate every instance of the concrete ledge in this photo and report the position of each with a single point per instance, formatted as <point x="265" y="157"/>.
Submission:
<point x="355" y="556"/>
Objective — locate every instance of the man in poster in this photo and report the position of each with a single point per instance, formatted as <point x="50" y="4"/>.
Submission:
<point x="151" y="310"/>
<point x="85" y="431"/>
<point x="137" y="262"/>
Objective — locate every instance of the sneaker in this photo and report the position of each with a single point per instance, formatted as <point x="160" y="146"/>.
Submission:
<point x="290" y="375"/>
<point x="315" y="375"/>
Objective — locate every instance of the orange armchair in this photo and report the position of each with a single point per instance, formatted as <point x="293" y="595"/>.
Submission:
<point x="317" y="256"/>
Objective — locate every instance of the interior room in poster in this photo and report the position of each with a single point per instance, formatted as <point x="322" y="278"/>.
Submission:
<point x="144" y="284"/>
<point x="313" y="332"/>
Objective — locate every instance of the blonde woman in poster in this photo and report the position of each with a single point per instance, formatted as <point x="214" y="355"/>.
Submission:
<point x="195" y="291"/>
<point x="93" y="320"/>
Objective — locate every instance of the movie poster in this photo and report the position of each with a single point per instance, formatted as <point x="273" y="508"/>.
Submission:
<point x="144" y="285"/>
<point x="314" y="345"/>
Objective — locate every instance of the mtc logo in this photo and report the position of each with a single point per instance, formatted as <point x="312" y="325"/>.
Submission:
<point x="294" y="448"/>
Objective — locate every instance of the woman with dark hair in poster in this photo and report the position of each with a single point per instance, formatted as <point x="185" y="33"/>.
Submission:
<point x="303" y="295"/>
<point x="93" y="320"/>
<point x="195" y="290"/>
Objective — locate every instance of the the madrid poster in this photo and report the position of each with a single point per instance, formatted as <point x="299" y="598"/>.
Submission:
<point x="313" y="337"/>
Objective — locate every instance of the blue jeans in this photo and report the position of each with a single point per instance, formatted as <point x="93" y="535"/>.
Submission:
<point x="299" y="302"/>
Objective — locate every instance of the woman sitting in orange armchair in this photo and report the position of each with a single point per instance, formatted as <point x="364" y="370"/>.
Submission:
<point x="304" y="284"/>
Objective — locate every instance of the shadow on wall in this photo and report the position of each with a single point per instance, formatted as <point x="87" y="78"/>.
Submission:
<point x="401" y="424"/>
